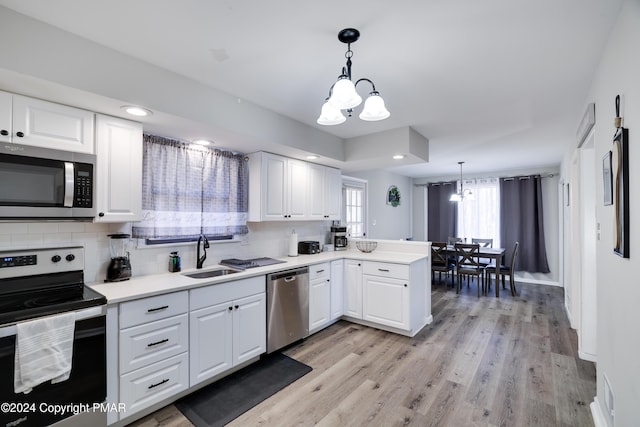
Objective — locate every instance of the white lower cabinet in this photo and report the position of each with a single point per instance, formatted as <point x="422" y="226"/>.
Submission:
<point x="227" y="326"/>
<point x="153" y="350"/>
<point x="151" y="384"/>
<point x="319" y="296"/>
<point x="353" y="288"/>
<point x="386" y="301"/>
<point x="337" y="289"/>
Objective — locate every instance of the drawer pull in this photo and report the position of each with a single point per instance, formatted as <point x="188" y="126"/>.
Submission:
<point x="166" y="380"/>
<point x="151" y="310"/>
<point x="383" y="269"/>
<point x="158" y="342"/>
<point x="320" y="271"/>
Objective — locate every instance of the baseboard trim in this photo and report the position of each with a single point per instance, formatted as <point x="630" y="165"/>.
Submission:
<point x="587" y="356"/>
<point x="596" y="413"/>
<point x="538" y="282"/>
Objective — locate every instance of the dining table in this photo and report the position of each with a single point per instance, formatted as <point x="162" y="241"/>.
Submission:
<point x="495" y="254"/>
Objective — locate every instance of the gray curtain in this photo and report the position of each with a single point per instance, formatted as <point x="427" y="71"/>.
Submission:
<point x="189" y="190"/>
<point x="442" y="214"/>
<point x="521" y="220"/>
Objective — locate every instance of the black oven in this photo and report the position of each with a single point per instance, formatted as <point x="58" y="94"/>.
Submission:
<point x="42" y="183"/>
<point x="35" y="283"/>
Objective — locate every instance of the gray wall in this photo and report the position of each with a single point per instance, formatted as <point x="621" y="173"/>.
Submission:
<point x="390" y="222"/>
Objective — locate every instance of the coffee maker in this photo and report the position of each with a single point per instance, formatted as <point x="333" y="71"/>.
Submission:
<point x="120" y="267"/>
<point x="339" y="237"/>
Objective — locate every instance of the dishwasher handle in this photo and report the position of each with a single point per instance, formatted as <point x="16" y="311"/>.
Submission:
<point x="288" y="275"/>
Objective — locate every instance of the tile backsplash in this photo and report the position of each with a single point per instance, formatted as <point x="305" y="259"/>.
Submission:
<point x="264" y="239"/>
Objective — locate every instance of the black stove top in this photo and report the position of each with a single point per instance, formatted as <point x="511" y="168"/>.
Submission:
<point x="35" y="283"/>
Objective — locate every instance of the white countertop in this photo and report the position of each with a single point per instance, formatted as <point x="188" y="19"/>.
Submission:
<point x="156" y="284"/>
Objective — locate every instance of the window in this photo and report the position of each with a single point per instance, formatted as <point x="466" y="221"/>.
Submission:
<point x="191" y="190"/>
<point x="355" y="199"/>
<point x="480" y="217"/>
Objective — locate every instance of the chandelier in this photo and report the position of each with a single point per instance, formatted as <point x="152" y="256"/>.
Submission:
<point x="343" y="95"/>
<point x="460" y="195"/>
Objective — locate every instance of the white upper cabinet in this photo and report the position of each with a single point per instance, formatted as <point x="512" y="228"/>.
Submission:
<point x="49" y="125"/>
<point x="5" y="116"/>
<point x="282" y="189"/>
<point x="118" y="170"/>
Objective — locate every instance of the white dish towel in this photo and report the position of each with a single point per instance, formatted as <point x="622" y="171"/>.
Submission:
<point x="44" y="351"/>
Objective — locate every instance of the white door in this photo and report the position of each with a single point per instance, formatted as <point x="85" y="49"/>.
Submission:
<point x="5" y="116"/>
<point x="119" y="170"/>
<point x="211" y="341"/>
<point x="319" y="303"/>
<point x="353" y="288"/>
<point x="337" y="288"/>
<point x="297" y="185"/>
<point x="274" y="169"/>
<point x="249" y="327"/>
<point x="386" y="301"/>
<point x="316" y="191"/>
<point x="48" y="125"/>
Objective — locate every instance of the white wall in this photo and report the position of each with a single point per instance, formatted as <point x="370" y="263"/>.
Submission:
<point x="386" y="221"/>
<point x="264" y="239"/>
<point x="618" y="292"/>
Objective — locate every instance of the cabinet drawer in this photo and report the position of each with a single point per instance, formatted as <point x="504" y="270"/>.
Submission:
<point x="319" y="270"/>
<point x="399" y="271"/>
<point x="152" y="342"/>
<point x="153" y="308"/>
<point x="227" y="291"/>
<point x="144" y="387"/>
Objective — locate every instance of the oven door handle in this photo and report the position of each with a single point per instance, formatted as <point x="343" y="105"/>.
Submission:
<point x="83" y="314"/>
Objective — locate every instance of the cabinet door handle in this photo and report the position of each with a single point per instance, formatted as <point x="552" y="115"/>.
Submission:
<point x="405" y="285"/>
<point x="158" y="342"/>
<point x="19" y="134"/>
<point x="237" y="307"/>
<point x="151" y="310"/>
<point x="230" y="308"/>
<point x="383" y="269"/>
<point x="320" y="271"/>
<point x="4" y="132"/>
<point x="166" y="380"/>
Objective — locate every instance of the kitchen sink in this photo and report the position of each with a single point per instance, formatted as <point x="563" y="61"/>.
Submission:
<point x="211" y="273"/>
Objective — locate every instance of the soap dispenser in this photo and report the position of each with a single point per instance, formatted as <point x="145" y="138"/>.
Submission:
<point x="293" y="244"/>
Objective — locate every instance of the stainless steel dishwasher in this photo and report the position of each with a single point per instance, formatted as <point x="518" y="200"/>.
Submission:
<point x="287" y="307"/>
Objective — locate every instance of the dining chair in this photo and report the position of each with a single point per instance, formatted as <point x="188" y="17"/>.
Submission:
<point x="504" y="270"/>
<point x="453" y="240"/>
<point x="484" y="243"/>
<point x="468" y="264"/>
<point x="440" y="262"/>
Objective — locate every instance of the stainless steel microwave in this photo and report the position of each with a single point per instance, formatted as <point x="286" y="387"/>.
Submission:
<point x="39" y="183"/>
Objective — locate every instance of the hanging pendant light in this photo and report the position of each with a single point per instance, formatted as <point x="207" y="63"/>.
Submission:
<point x="462" y="194"/>
<point x="343" y="94"/>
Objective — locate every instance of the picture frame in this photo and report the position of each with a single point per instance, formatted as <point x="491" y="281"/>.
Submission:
<point x="393" y="196"/>
<point x="607" y="179"/>
<point x="620" y="174"/>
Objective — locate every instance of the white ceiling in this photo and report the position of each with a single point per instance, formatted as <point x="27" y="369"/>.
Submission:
<point x="499" y="84"/>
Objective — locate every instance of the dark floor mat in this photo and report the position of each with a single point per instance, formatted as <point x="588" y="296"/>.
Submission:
<point x="223" y="401"/>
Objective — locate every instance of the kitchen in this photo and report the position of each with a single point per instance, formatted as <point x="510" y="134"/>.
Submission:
<point x="265" y="239"/>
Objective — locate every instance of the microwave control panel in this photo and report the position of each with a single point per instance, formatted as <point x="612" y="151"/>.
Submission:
<point x="83" y="191"/>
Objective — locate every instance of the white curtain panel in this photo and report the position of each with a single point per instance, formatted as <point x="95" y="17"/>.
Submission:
<point x="480" y="217"/>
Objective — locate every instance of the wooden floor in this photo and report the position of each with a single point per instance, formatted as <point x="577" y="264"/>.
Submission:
<point x="483" y="361"/>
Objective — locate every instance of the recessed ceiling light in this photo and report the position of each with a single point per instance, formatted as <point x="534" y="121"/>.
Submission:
<point x="202" y="142"/>
<point x="136" y="111"/>
<point x="399" y="157"/>
<point x="312" y="157"/>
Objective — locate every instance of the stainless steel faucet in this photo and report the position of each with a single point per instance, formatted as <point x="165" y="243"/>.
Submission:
<point x="201" y="259"/>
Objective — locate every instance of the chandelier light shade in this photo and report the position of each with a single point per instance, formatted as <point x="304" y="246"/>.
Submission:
<point x="330" y="115"/>
<point x="343" y="94"/>
<point x="462" y="194"/>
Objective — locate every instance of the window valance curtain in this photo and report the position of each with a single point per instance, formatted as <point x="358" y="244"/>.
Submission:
<point x="522" y="221"/>
<point x="188" y="190"/>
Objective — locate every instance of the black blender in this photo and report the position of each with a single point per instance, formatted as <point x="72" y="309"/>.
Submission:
<point x="120" y="267"/>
